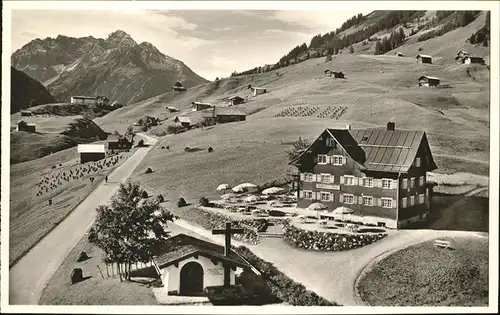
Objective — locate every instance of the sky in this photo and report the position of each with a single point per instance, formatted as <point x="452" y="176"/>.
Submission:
<point x="212" y="43"/>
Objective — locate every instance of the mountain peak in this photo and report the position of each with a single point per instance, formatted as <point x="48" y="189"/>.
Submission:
<point x="118" y="34"/>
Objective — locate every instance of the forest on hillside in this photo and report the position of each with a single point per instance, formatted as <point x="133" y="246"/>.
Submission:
<point x="334" y="42"/>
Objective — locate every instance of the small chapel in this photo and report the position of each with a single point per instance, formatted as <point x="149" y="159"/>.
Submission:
<point x="188" y="265"/>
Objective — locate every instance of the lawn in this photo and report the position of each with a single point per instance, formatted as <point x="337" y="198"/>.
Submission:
<point x="424" y="275"/>
<point x="31" y="217"/>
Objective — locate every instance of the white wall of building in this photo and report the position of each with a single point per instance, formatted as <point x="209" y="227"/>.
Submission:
<point x="213" y="275"/>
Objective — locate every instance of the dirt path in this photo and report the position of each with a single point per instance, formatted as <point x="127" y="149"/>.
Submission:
<point x="29" y="275"/>
<point x="463" y="158"/>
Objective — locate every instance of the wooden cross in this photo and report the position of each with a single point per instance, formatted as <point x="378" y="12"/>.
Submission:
<point x="228" y="231"/>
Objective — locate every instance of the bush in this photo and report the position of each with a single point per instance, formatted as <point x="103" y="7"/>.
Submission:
<point x="160" y="198"/>
<point x="148" y="171"/>
<point x="140" y="143"/>
<point x="82" y="257"/>
<point x="277" y="213"/>
<point x="91" y="236"/>
<point x="281" y="286"/>
<point x="76" y="275"/>
<point x="204" y="202"/>
<point x="326" y="241"/>
<point x="181" y="202"/>
<point x="210" y="149"/>
<point x="144" y="194"/>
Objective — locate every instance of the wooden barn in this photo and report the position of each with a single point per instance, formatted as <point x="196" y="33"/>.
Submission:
<point x="91" y="152"/>
<point x="399" y="54"/>
<point x="26" y="113"/>
<point x="178" y="87"/>
<point x="424" y="59"/>
<point x="84" y="100"/>
<point x="235" y="100"/>
<point x="426" y="80"/>
<point x="182" y="121"/>
<point x="119" y="143"/>
<point x="257" y="90"/>
<point x="200" y="106"/>
<point x="24" y="126"/>
<point x="102" y="100"/>
<point x="172" y="109"/>
<point x="220" y="115"/>
<point x="473" y="59"/>
<point x="375" y="176"/>
<point x="334" y="73"/>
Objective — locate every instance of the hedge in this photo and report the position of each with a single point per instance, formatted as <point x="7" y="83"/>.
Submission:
<point x="281" y="286"/>
<point x="326" y="241"/>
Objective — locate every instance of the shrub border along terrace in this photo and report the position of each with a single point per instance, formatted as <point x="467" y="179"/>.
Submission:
<point x="210" y="220"/>
<point x="326" y="241"/>
<point x="283" y="287"/>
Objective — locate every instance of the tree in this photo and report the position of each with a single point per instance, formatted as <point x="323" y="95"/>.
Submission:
<point x="378" y="48"/>
<point x="178" y="84"/>
<point x="328" y="58"/>
<point x="297" y="148"/>
<point x="351" y="50"/>
<point x="129" y="131"/>
<point x="129" y="227"/>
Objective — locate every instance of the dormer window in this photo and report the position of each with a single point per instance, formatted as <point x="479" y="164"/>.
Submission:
<point x="417" y="162"/>
<point x="365" y="138"/>
<point x="330" y="142"/>
<point x="322" y="159"/>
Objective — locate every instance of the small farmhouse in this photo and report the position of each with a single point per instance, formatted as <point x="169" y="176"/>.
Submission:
<point x="84" y="100"/>
<point x="188" y="265"/>
<point x="220" y="115"/>
<point x="26" y="113"/>
<point x="399" y="54"/>
<point x="24" y="126"/>
<point x="200" y="106"/>
<point x="172" y="109"/>
<point x="424" y="59"/>
<point x="182" y="121"/>
<point x="473" y="59"/>
<point x="376" y="176"/>
<point x="235" y="100"/>
<point x="178" y="87"/>
<point x="426" y="80"/>
<point x="257" y="90"/>
<point x="333" y="73"/>
<point x="91" y="152"/>
<point x="119" y="143"/>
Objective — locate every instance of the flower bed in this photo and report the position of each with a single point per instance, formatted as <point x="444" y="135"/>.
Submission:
<point x="281" y="286"/>
<point x="326" y="241"/>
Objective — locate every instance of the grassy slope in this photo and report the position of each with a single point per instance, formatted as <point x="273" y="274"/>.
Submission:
<point x="30" y="215"/>
<point x="423" y="275"/>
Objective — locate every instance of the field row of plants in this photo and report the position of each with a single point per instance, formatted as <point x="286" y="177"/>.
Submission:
<point x="324" y="241"/>
<point x="280" y="285"/>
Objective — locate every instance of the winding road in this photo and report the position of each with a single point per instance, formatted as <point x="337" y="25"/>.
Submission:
<point x="28" y="277"/>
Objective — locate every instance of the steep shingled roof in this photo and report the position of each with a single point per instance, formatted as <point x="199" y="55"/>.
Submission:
<point x="182" y="246"/>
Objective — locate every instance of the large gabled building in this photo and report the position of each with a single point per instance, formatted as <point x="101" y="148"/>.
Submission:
<point x="379" y="174"/>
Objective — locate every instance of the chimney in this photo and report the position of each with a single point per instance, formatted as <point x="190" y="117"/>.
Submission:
<point x="391" y="126"/>
<point x="348" y="127"/>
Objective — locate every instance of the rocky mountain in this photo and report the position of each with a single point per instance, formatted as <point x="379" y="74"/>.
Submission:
<point x="26" y="91"/>
<point x="116" y="67"/>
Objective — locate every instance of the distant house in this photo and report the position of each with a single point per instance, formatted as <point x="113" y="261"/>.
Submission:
<point x="91" y="152"/>
<point x="426" y="80"/>
<point x="220" y="115"/>
<point x="102" y="100"/>
<point x="328" y="73"/>
<point x="178" y="87"/>
<point x="118" y="143"/>
<point x="424" y="59"/>
<point x="257" y="90"/>
<point x="473" y="59"/>
<point x="182" y="121"/>
<point x="26" y="113"/>
<point x="200" y="106"/>
<point x="84" y="100"/>
<point x="462" y="53"/>
<point x="172" y="109"/>
<point x="399" y="54"/>
<point x="333" y="73"/>
<point x="23" y="126"/>
<point x="235" y="100"/>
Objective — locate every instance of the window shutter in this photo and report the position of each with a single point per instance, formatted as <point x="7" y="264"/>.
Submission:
<point x="317" y="195"/>
<point x="332" y="179"/>
<point x="341" y="179"/>
<point x="302" y="177"/>
<point x="405" y="183"/>
<point x="378" y="202"/>
<point x="395" y="184"/>
<point x="360" y="200"/>
<point x="318" y="178"/>
<point x="356" y="181"/>
<point x="301" y="194"/>
<point x="332" y="197"/>
<point x="341" y="198"/>
<point x="354" y="200"/>
<point x="329" y="159"/>
<point x="344" y="160"/>
<point x="394" y="203"/>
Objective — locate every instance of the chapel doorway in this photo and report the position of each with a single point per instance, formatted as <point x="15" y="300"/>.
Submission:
<point x="191" y="279"/>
